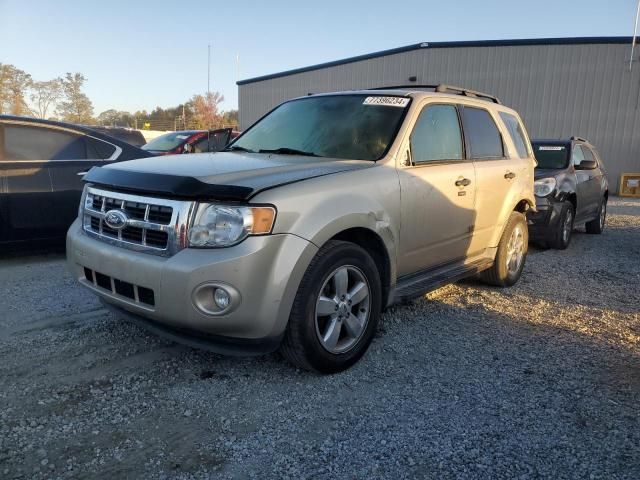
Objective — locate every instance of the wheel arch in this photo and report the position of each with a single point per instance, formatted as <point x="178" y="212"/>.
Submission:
<point x="373" y="244"/>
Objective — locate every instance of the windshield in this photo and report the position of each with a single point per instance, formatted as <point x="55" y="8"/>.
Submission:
<point x="551" y="156"/>
<point x="355" y="127"/>
<point x="167" y="142"/>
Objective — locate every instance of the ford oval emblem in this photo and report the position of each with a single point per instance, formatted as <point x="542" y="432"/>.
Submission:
<point x="116" y="219"/>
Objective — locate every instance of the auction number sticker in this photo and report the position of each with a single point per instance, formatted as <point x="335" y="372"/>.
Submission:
<point x="387" y="101"/>
<point x="551" y="148"/>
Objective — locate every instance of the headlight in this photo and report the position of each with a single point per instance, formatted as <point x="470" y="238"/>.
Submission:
<point x="544" y="186"/>
<point x="226" y="225"/>
<point x="84" y="202"/>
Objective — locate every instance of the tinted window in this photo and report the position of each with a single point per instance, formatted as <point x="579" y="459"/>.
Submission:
<point x="483" y="137"/>
<point x="517" y="133"/>
<point x="33" y="143"/>
<point x="436" y="135"/>
<point x="97" y="149"/>
<point x="578" y="155"/>
<point x="551" y="156"/>
<point x="358" y="127"/>
<point x="218" y="140"/>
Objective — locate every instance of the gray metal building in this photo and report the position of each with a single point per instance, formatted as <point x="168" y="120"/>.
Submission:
<point x="560" y="86"/>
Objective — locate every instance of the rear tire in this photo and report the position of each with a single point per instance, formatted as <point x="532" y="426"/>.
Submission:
<point x="511" y="255"/>
<point x="562" y="235"/>
<point x="596" y="226"/>
<point x="336" y="310"/>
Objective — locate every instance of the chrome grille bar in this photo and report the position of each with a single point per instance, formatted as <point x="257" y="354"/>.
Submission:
<point x="171" y="221"/>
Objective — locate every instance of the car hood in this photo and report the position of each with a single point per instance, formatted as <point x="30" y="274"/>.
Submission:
<point x="546" y="172"/>
<point x="221" y="176"/>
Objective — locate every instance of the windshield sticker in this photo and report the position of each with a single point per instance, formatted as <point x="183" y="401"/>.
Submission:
<point x="550" y="148"/>
<point x="387" y="101"/>
<point x="182" y="137"/>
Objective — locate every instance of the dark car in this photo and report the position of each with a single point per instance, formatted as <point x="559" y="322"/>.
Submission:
<point x="41" y="167"/>
<point x="191" y="141"/>
<point x="571" y="189"/>
<point x="129" y="135"/>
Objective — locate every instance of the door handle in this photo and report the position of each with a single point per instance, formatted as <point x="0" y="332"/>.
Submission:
<point x="509" y="175"/>
<point x="463" y="182"/>
<point x="82" y="174"/>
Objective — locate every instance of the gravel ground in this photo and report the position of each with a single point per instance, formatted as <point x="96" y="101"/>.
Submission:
<point x="541" y="380"/>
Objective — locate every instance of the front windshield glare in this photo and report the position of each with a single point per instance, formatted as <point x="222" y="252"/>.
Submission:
<point x="355" y="127"/>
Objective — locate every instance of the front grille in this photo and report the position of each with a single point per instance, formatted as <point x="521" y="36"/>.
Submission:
<point x="152" y="225"/>
<point x="119" y="287"/>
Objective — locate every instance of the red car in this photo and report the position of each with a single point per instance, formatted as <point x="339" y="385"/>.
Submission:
<point x="191" y="141"/>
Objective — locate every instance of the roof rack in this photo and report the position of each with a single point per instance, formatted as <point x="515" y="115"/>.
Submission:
<point x="579" y="139"/>
<point x="443" y="88"/>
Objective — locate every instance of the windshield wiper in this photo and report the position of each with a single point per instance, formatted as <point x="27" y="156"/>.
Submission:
<point x="237" y="148"/>
<point x="288" y="151"/>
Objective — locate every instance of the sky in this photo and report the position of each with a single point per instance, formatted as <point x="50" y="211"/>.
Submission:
<point x="141" y="54"/>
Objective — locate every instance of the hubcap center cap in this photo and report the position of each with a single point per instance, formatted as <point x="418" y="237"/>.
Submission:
<point x="343" y="309"/>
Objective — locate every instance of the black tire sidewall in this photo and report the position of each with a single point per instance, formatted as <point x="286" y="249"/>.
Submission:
<point x="559" y="242"/>
<point x="594" y="226"/>
<point x="340" y="254"/>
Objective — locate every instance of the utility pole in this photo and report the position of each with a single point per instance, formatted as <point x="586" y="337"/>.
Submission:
<point x="635" y="31"/>
<point x="208" y="70"/>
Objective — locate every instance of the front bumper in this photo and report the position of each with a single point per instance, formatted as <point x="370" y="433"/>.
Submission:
<point x="265" y="271"/>
<point x="543" y="223"/>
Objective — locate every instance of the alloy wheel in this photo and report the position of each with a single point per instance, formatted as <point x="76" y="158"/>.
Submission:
<point x="567" y="226"/>
<point x="342" y="309"/>
<point x="515" y="250"/>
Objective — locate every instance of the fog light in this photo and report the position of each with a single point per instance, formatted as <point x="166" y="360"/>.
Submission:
<point x="221" y="298"/>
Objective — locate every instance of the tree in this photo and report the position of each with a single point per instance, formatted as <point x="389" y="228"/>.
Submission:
<point x="77" y="108"/>
<point x="45" y="96"/>
<point x="206" y="113"/>
<point x="115" y="118"/>
<point x="230" y="117"/>
<point x="13" y="86"/>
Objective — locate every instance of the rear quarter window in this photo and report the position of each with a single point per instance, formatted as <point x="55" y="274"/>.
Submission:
<point x="516" y="131"/>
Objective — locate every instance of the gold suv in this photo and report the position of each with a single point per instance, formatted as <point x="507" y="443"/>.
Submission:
<point x="326" y="211"/>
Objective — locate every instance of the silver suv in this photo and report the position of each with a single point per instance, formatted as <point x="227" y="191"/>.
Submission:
<point x="326" y="211"/>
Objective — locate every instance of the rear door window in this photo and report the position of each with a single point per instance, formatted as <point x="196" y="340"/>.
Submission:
<point x="483" y="137"/>
<point x="41" y="143"/>
<point x="436" y="135"/>
<point x="517" y="133"/>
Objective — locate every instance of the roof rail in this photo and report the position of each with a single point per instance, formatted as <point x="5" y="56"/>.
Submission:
<point x="579" y="139"/>
<point x="444" y="88"/>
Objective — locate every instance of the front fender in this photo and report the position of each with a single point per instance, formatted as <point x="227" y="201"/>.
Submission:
<point x="321" y="208"/>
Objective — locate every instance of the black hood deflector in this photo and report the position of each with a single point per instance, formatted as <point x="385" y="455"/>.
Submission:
<point x="162" y="184"/>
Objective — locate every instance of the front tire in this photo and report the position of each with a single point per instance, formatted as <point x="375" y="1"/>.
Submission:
<point x="596" y="226"/>
<point x="511" y="255"/>
<point x="562" y="235"/>
<point x="336" y="310"/>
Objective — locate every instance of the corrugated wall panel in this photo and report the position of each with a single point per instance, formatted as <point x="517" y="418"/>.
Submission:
<point x="560" y="90"/>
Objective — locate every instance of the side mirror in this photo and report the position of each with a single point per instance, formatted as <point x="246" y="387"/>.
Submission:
<point x="587" y="165"/>
<point x="187" y="148"/>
